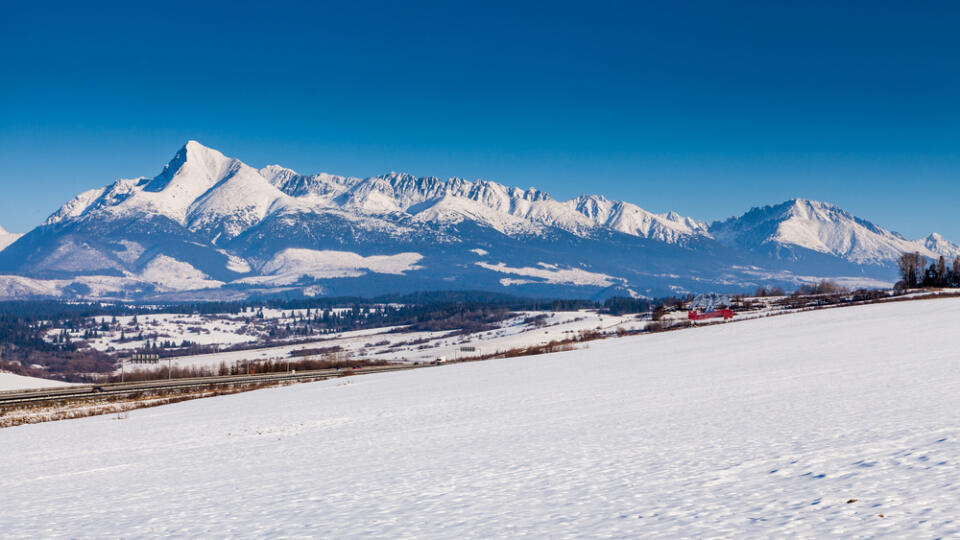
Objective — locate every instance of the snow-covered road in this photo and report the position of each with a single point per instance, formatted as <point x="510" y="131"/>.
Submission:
<point x="764" y="428"/>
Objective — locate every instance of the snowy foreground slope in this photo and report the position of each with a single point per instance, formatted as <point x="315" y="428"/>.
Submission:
<point x="754" y="429"/>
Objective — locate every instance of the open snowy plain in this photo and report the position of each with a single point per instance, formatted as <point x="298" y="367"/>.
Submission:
<point x="834" y="423"/>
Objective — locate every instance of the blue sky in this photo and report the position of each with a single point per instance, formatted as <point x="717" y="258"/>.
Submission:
<point x="705" y="108"/>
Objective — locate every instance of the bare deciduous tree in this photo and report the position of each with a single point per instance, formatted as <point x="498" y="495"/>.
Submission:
<point x="911" y="268"/>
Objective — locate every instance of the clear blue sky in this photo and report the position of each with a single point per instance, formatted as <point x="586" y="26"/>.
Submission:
<point x="706" y="108"/>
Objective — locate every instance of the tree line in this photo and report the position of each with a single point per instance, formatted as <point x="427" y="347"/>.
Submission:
<point x="915" y="272"/>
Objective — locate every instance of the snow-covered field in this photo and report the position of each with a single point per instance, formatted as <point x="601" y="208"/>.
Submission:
<point x="350" y="341"/>
<point x="11" y="381"/>
<point x="135" y="333"/>
<point x="408" y="347"/>
<point x="763" y="428"/>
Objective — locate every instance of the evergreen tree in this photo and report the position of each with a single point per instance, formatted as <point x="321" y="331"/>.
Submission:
<point x="941" y="272"/>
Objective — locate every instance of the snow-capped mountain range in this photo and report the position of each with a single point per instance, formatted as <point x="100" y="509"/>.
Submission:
<point x="210" y="226"/>
<point x="203" y="190"/>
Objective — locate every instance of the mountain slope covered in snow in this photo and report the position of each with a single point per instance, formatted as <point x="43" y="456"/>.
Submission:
<point x="7" y="238"/>
<point x="211" y="226"/>
<point x="788" y="228"/>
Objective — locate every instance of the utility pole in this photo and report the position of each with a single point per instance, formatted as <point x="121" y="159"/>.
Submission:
<point x="169" y="368"/>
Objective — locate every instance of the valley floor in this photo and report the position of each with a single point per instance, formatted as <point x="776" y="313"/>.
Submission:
<point x="834" y="423"/>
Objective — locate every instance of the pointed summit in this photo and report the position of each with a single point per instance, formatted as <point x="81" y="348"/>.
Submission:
<point x="808" y="207"/>
<point x="193" y="170"/>
<point x="939" y="245"/>
<point x="815" y="226"/>
<point x="190" y="175"/>
<point x="210" y="159"/>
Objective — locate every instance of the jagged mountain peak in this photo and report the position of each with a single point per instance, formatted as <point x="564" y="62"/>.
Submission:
<point x="939" y="245"/>
<point x="809" y="208"/>
<point x="797" y="206"/>
<point x="278" y="174"/>
<point x="181" y="191"/>
<point x="398" y="176"/>
<point x="820" y="227"/>
<point x="792" y="208"/>
<point x="801" y="202"/>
